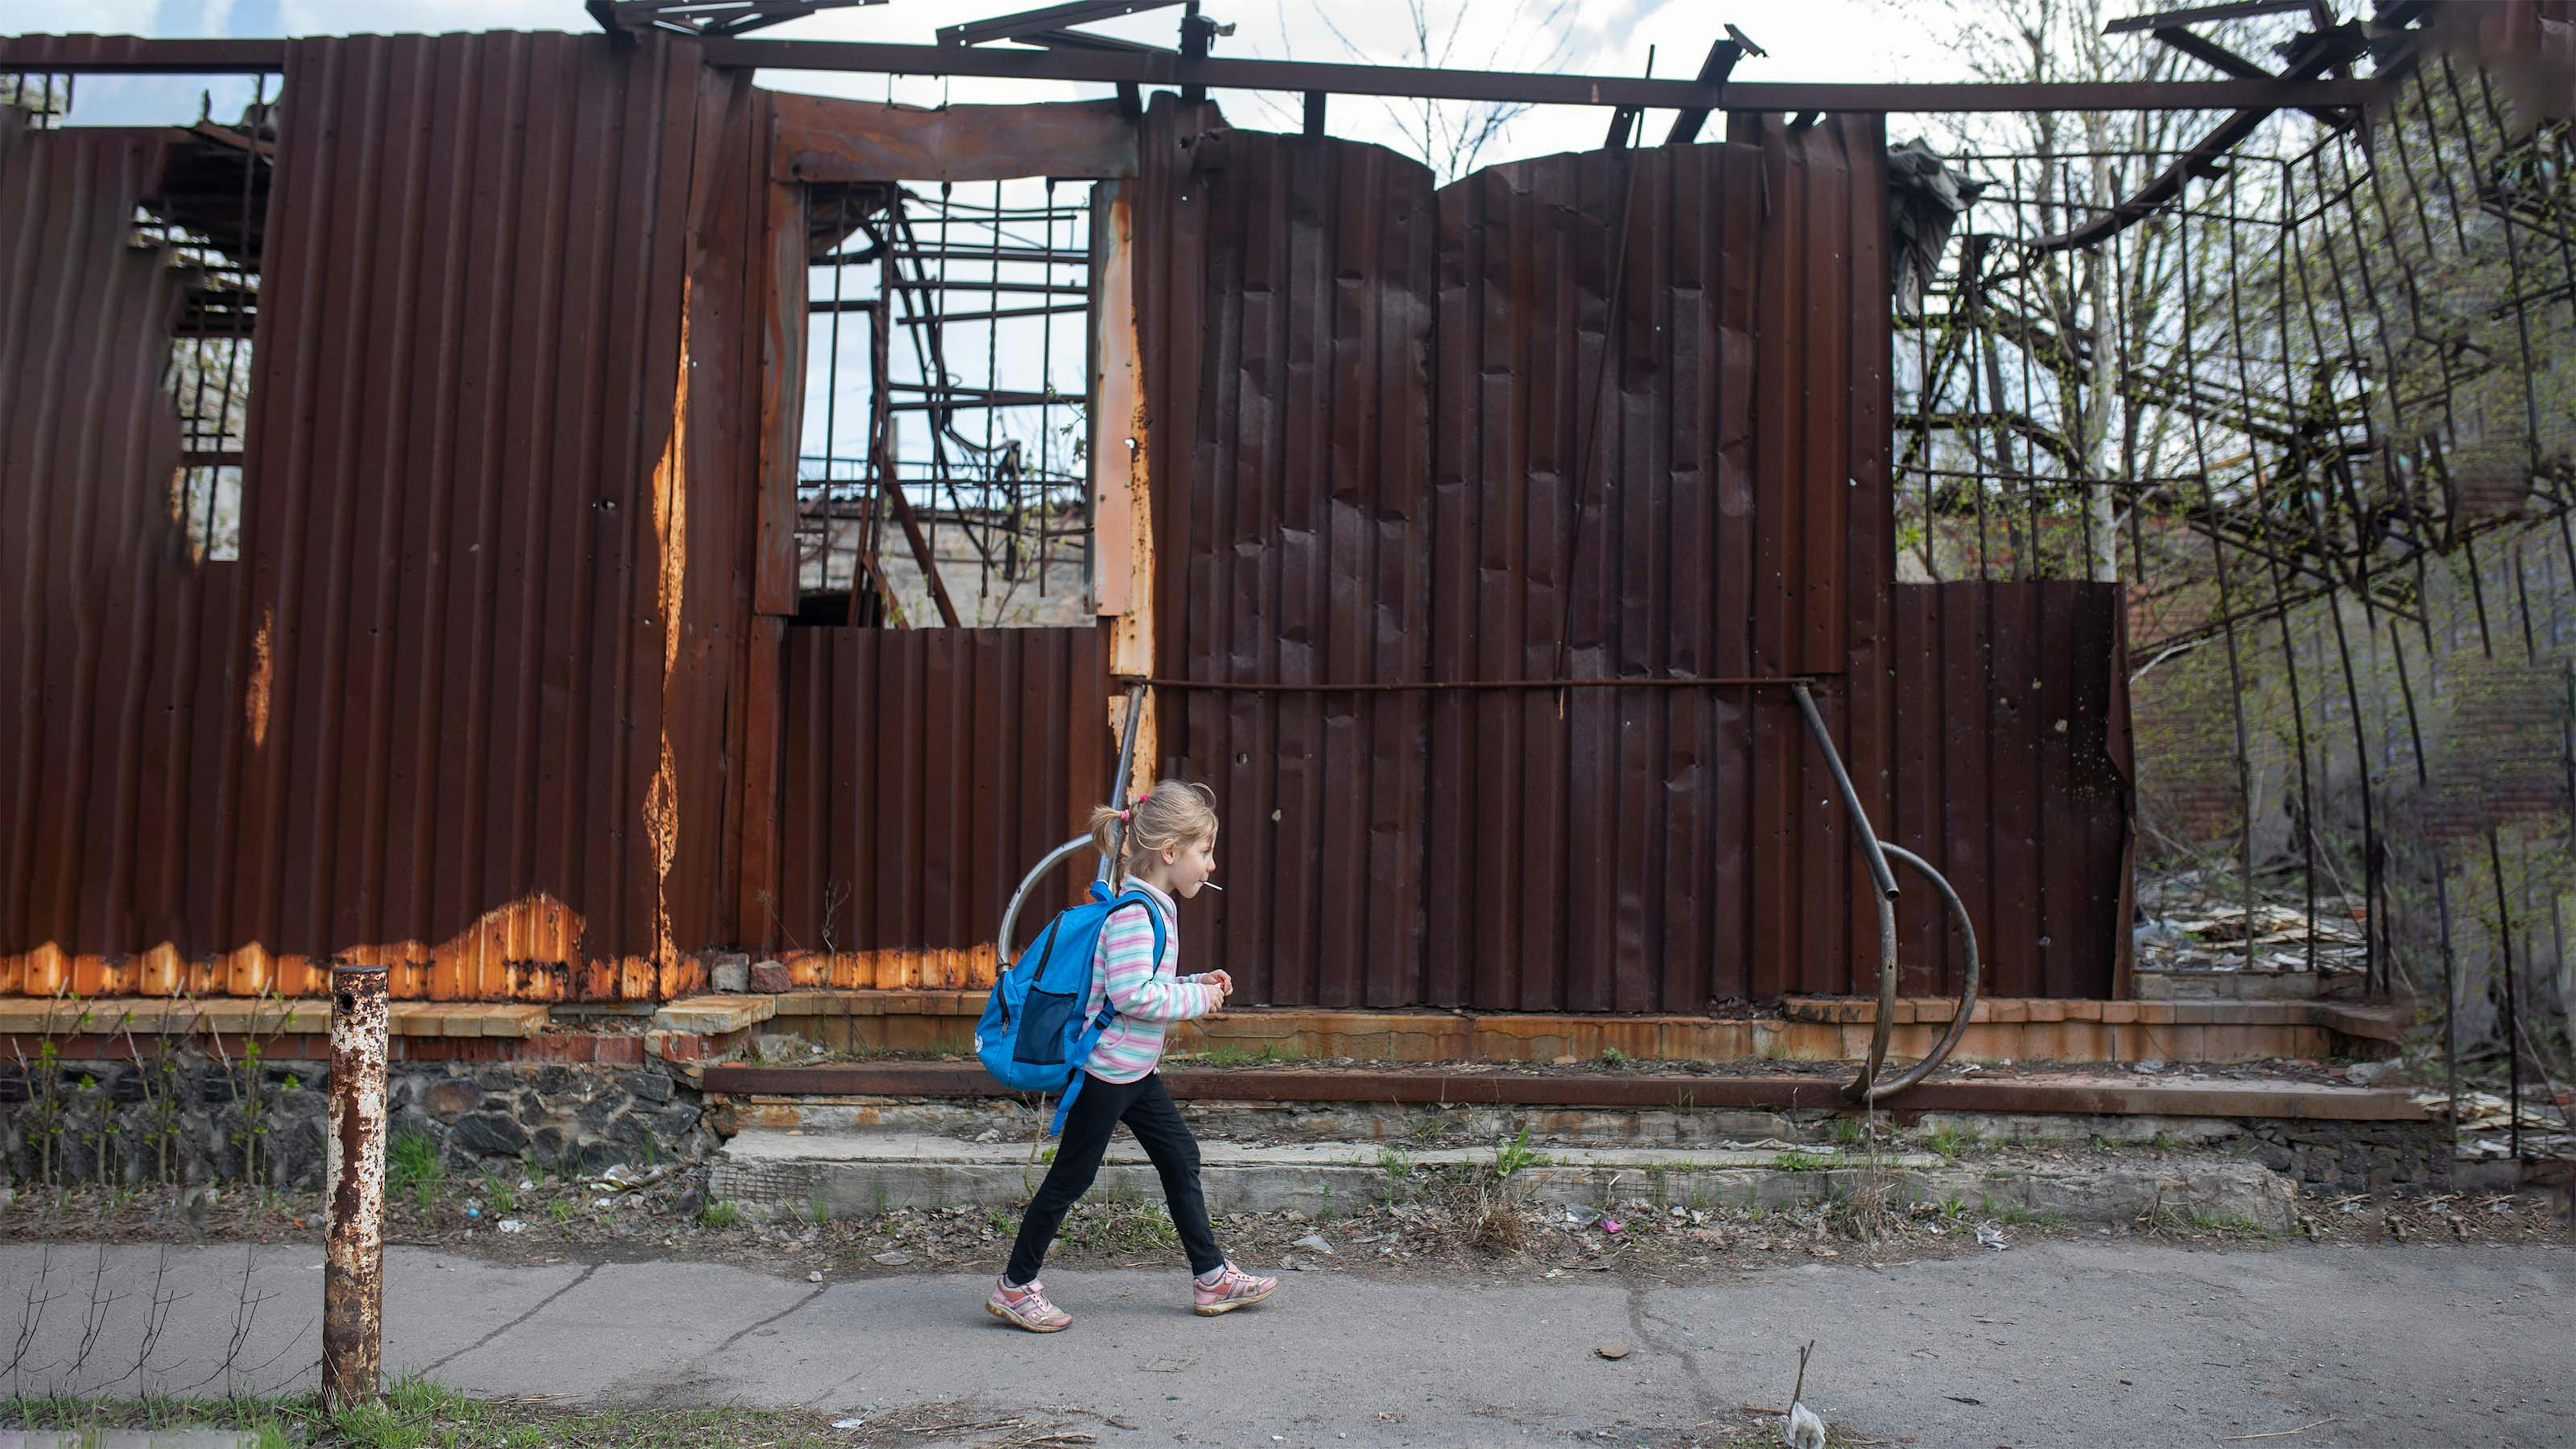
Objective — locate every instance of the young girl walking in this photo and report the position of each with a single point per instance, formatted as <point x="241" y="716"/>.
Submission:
<point x="1167" y="852"/>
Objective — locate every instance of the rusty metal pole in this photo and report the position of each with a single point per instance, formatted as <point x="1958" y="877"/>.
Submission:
<point x="353" y="1271"/>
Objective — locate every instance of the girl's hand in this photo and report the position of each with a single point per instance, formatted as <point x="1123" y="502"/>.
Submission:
<point x="1223" y="983"/>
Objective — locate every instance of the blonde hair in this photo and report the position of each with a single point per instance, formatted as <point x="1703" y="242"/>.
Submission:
<point x="1173" y="813"/>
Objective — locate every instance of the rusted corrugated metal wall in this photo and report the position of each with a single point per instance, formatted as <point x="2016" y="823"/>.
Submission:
<point x="113" y="633"/>
<point x="924" y="772"/>
<point x="1300" y="513"/>
<point x="467" y="713"/>
<point x="1329" y="509"/>
<point x="2013" y="775"/>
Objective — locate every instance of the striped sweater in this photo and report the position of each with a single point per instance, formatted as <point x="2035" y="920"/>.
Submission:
<point x="1148" y="993"/>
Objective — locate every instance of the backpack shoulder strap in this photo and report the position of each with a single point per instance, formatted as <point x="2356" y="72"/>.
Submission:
<point x="1084" y="1045"/>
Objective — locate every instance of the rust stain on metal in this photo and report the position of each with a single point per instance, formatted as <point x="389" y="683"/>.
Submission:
<point x="529" y="950"/>
<point x="263" y="671"/>
<point x="671" y="533"/>
<point x="833" y="139"/>
<point x="933" y="968"/>
<point x="353" y="1288"/>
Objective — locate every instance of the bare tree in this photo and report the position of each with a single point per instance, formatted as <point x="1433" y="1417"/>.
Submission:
<point x="2040" y="362"/>
<point x="1450" y="136"/>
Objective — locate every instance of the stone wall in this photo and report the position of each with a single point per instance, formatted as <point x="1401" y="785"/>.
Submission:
<point x="194" y="1119"/>
<point x="2329" y="1157"/>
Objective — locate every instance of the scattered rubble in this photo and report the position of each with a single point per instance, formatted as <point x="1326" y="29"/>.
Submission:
<point x="2195" y="921"/>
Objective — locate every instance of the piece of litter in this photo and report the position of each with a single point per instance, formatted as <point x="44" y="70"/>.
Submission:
<point x="814" y="1277"/>
<point x="513" y="1225"/>
<point x="1612" y="1349"/>
<point x="893" y="1258"/>
<point x="1609" y="1225"/>
<point x="849" y="1423"/>
<point x="1314" y="1243"/>
<point x="526" y="1186"/>
<point x="1990" y="1236"/>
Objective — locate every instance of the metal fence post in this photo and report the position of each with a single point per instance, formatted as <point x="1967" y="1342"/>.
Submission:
<point x="353" y="1276"/>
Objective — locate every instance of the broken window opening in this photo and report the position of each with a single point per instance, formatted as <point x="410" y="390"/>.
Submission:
<point x="944" y="472"/>
<point x="205" y="219"/>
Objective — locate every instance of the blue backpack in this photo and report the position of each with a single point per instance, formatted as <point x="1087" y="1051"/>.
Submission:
<point x="1033" y="1037"/>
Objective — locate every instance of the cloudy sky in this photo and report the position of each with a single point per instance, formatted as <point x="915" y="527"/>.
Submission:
<point x="1841" y="40"/>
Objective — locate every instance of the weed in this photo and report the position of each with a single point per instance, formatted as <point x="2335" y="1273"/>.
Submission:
<point x="1796" y="1161"/>
<point x="1225" y="1056"/>
<point x="818" y="1209"/>
<point x="1612" y="1058"/>
<point x="499" y="1196"/>
<point x="1398" y="1167"/>
<point x="563" y="1209"/>
<point x="722" y="1213"/>
<point x="1514" y="1155"/>
<point x="413" y="1169"/>
<point x="1846" y="1130"/>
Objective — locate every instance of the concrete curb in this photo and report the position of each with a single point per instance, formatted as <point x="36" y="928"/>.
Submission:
<point x="854" y="1175"/>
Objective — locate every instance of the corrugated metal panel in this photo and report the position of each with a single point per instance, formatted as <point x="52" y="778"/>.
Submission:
<point x="1301" y="513"/>
<point x="1645" y="849"/>
<point x="2013" y="778"/>
<point x="106" y="614"/>
<point x="923" y="773"/>
<point x="466" y="715"/>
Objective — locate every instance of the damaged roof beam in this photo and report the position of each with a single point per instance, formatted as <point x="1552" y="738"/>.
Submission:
<point x="228" y="57"/>
<point x="1515" y="87"/>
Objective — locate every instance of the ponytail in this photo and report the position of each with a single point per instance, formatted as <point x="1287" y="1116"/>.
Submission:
<point x="1172" y="813"/>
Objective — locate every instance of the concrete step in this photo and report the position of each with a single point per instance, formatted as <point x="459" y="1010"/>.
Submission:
<point x="769" y="1172"/>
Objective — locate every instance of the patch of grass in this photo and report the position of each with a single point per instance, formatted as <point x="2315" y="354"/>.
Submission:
<point x="1121" y="1223"/>
<point x="1225" y="1056"/>
<point x="1949" y="1141"/>
<point x="817" y="1209"/>
<point x="563" y="1210"/>
<point x="415" y="1412"/>
<point x="499" y="1196"/>
<point x="1612" y="1057"/>
<point x="1796" y="1161"/>
<point x="412" y="1168"/>
<point x="722" y="1213"/>
<point x="2016" y="1213"/>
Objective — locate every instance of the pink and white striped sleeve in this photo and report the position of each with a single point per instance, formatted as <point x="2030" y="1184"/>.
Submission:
<point x="1127" y="943"/>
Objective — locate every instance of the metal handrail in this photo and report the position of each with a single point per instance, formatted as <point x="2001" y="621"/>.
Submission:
<point x="1866" y="1087"/>
<point x="1055" y="857"/>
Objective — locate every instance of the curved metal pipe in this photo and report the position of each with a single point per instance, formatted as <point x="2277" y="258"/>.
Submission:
<point x="1055" y="857"/>
<point x="1867" y="1088"/>
<point x="1028" y="883"/>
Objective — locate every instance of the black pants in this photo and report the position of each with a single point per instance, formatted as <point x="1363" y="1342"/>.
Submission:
<point x="1145" y="1105"/>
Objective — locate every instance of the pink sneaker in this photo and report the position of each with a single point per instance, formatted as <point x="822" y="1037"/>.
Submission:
<point x="1027" y="1308"/>
<point x="1233" y="1289"/>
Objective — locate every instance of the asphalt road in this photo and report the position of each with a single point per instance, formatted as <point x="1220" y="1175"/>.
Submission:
<point x="2057" y="1343"/>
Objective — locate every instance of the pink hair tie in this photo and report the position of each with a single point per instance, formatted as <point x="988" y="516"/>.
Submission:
<point x="1123" y="814"/>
